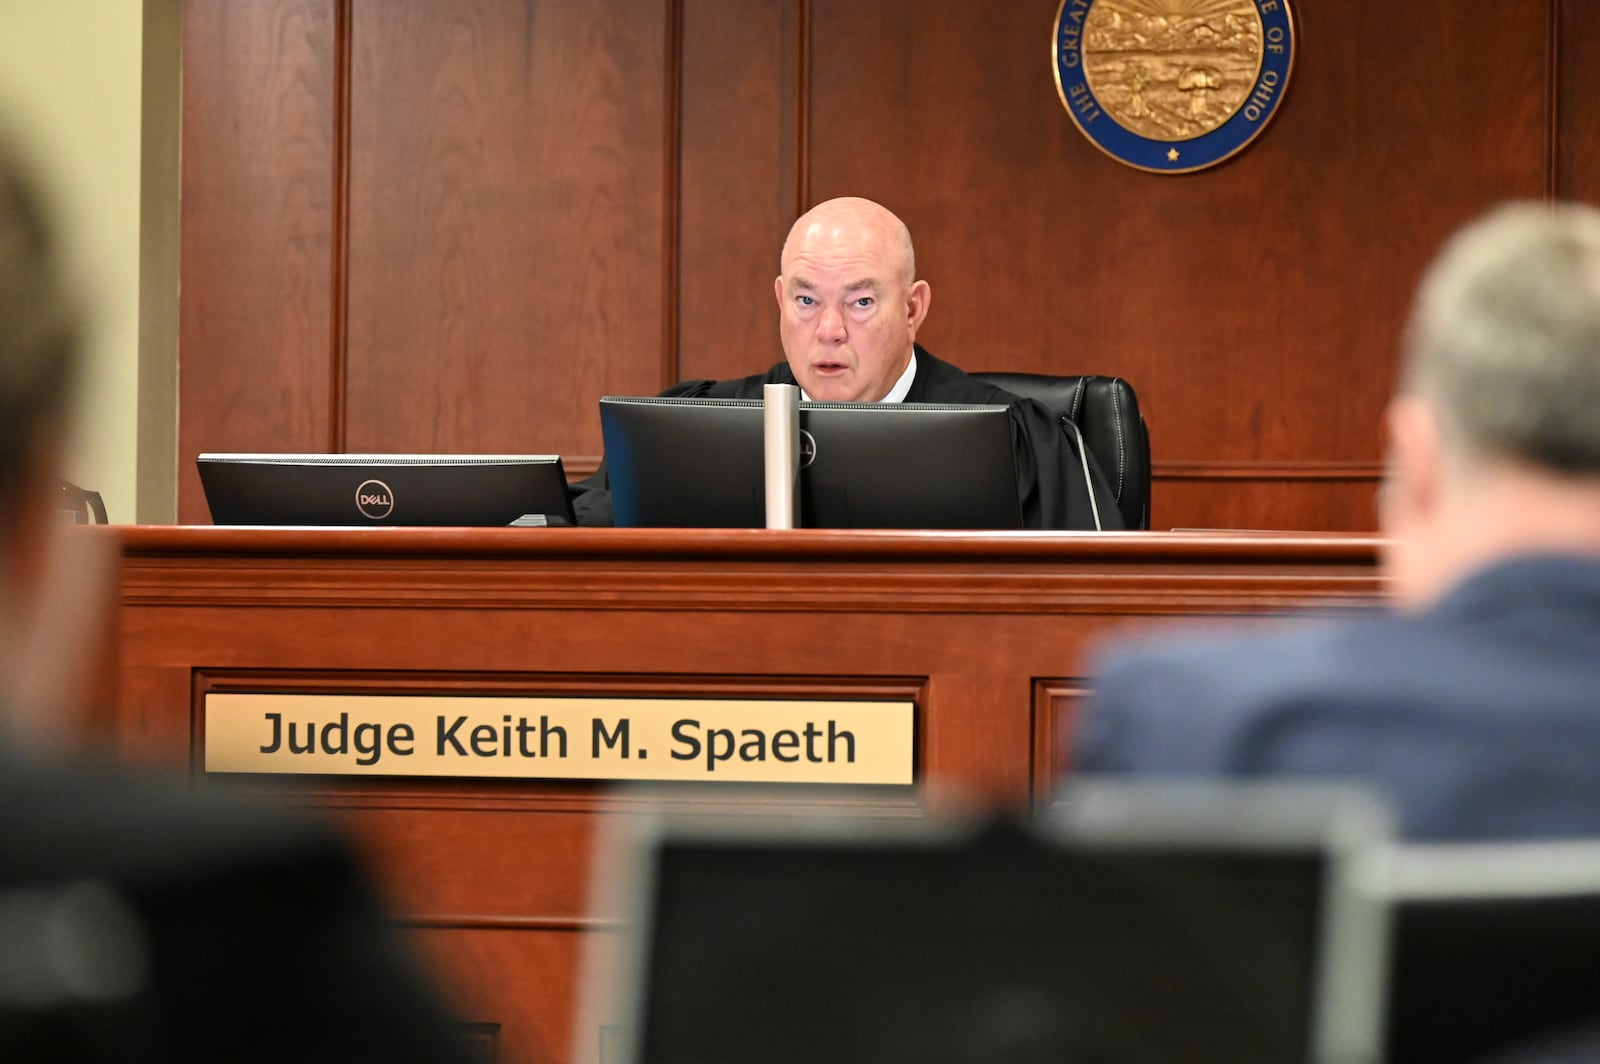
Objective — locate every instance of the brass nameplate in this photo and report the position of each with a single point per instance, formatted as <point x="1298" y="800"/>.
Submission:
<point x="700" y="739"/>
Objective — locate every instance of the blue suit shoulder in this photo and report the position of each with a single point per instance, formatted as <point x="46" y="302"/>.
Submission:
<point x="1475" y="716"/>
<point x="1190" y="703"/>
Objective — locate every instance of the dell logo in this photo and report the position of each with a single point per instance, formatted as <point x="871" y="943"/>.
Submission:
<point x="808" y="449"/>
<point x="374" y="499"/>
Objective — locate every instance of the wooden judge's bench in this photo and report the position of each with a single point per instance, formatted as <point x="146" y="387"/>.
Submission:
<point x="984" y="634"/>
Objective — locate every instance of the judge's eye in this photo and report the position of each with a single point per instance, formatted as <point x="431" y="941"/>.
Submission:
<point x="805" y="301"/>
<point x="864" y="302"/>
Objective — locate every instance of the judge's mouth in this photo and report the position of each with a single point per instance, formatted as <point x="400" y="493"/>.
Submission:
<point x="829" y="369"/>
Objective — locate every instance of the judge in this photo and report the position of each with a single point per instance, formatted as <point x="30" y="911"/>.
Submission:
<point x="850" y="305"/>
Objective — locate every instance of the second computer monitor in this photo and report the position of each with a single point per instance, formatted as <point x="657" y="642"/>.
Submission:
<point x="385" y="489"/>
<point x="677" y="462"/>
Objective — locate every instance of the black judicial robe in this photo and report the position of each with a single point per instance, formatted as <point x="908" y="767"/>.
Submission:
<point x="1050" y="482"/>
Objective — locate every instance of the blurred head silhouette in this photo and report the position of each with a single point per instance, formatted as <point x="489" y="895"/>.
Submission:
<point x="52" y="594"/>
<point x="138" y="924"/>
<point x="1494" y="434"/>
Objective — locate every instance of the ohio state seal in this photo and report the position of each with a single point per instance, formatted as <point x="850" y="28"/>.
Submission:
<point x="1172" y="86"/>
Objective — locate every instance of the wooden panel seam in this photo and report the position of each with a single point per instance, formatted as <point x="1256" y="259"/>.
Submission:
<point x="339" y="309"/>
<point x="802" y="107"/>
<point x="1266" y="470"/>
<point x="672" y="201"/>
<point x="1552" y="128"/>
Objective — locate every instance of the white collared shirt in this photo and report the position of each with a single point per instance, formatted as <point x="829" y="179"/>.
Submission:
<point x="897" y="394"/>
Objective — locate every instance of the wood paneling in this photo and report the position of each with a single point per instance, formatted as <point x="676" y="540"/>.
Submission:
<point x="548" y="201"/>
<point x="986" y="634"/>
<point x="1054" y="702"/>
<point x="535" y="1018"/>
<point x="1577" y="117"/>
<point x="507" y="220"/>
<point x="1331" y="496"/>
<point x="738" y="194"/>
<point x="255" y="312"/>
<point x="1255" y="306"/>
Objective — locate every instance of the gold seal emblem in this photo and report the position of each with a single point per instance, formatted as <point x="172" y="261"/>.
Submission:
<point x="1168" y="73"/>
<point x="1172" y="85"/>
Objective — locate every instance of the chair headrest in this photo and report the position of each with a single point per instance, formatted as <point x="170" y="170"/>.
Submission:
<point x="1106" y="411"/>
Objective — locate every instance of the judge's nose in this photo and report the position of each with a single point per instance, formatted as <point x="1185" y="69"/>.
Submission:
<point x="830" y="325"/>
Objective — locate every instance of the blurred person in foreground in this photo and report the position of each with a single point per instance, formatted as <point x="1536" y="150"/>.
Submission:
<point x="139" y="922"/>
<point x="1474" y="701"/>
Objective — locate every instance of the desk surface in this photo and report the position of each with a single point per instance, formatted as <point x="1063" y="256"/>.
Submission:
<point x="1121" y="573"/>
<point x="985" y="633"/>
<point x="1207" y="543"/>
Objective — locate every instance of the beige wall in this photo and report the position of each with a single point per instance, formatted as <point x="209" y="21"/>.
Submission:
<point x="70" y="90"/>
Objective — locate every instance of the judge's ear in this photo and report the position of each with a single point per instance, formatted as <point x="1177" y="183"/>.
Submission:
<point x="918" y="298"/>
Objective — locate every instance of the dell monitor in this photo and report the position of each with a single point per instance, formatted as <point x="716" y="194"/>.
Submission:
<point x="385" y="489"/>
<point x="677" y="462"/>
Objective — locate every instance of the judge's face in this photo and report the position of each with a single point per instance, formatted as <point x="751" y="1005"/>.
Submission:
<point x="848" y="310"/>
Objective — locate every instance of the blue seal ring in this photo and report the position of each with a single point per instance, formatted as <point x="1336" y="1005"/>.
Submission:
<point x="1173" y="156"/>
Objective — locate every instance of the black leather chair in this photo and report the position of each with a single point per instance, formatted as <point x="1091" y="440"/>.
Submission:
<point x="1107" y="413"/>
<point x="84" y="506"/>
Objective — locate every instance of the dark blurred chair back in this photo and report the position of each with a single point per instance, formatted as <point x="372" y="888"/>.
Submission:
<point x="1496" y="948"/>
<point x="85" y="506"/>
<point x="1106" y="411"/>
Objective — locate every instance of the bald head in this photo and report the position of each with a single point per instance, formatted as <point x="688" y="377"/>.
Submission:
<point x="849" y="301"/>
<point x="853" y="222"/>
